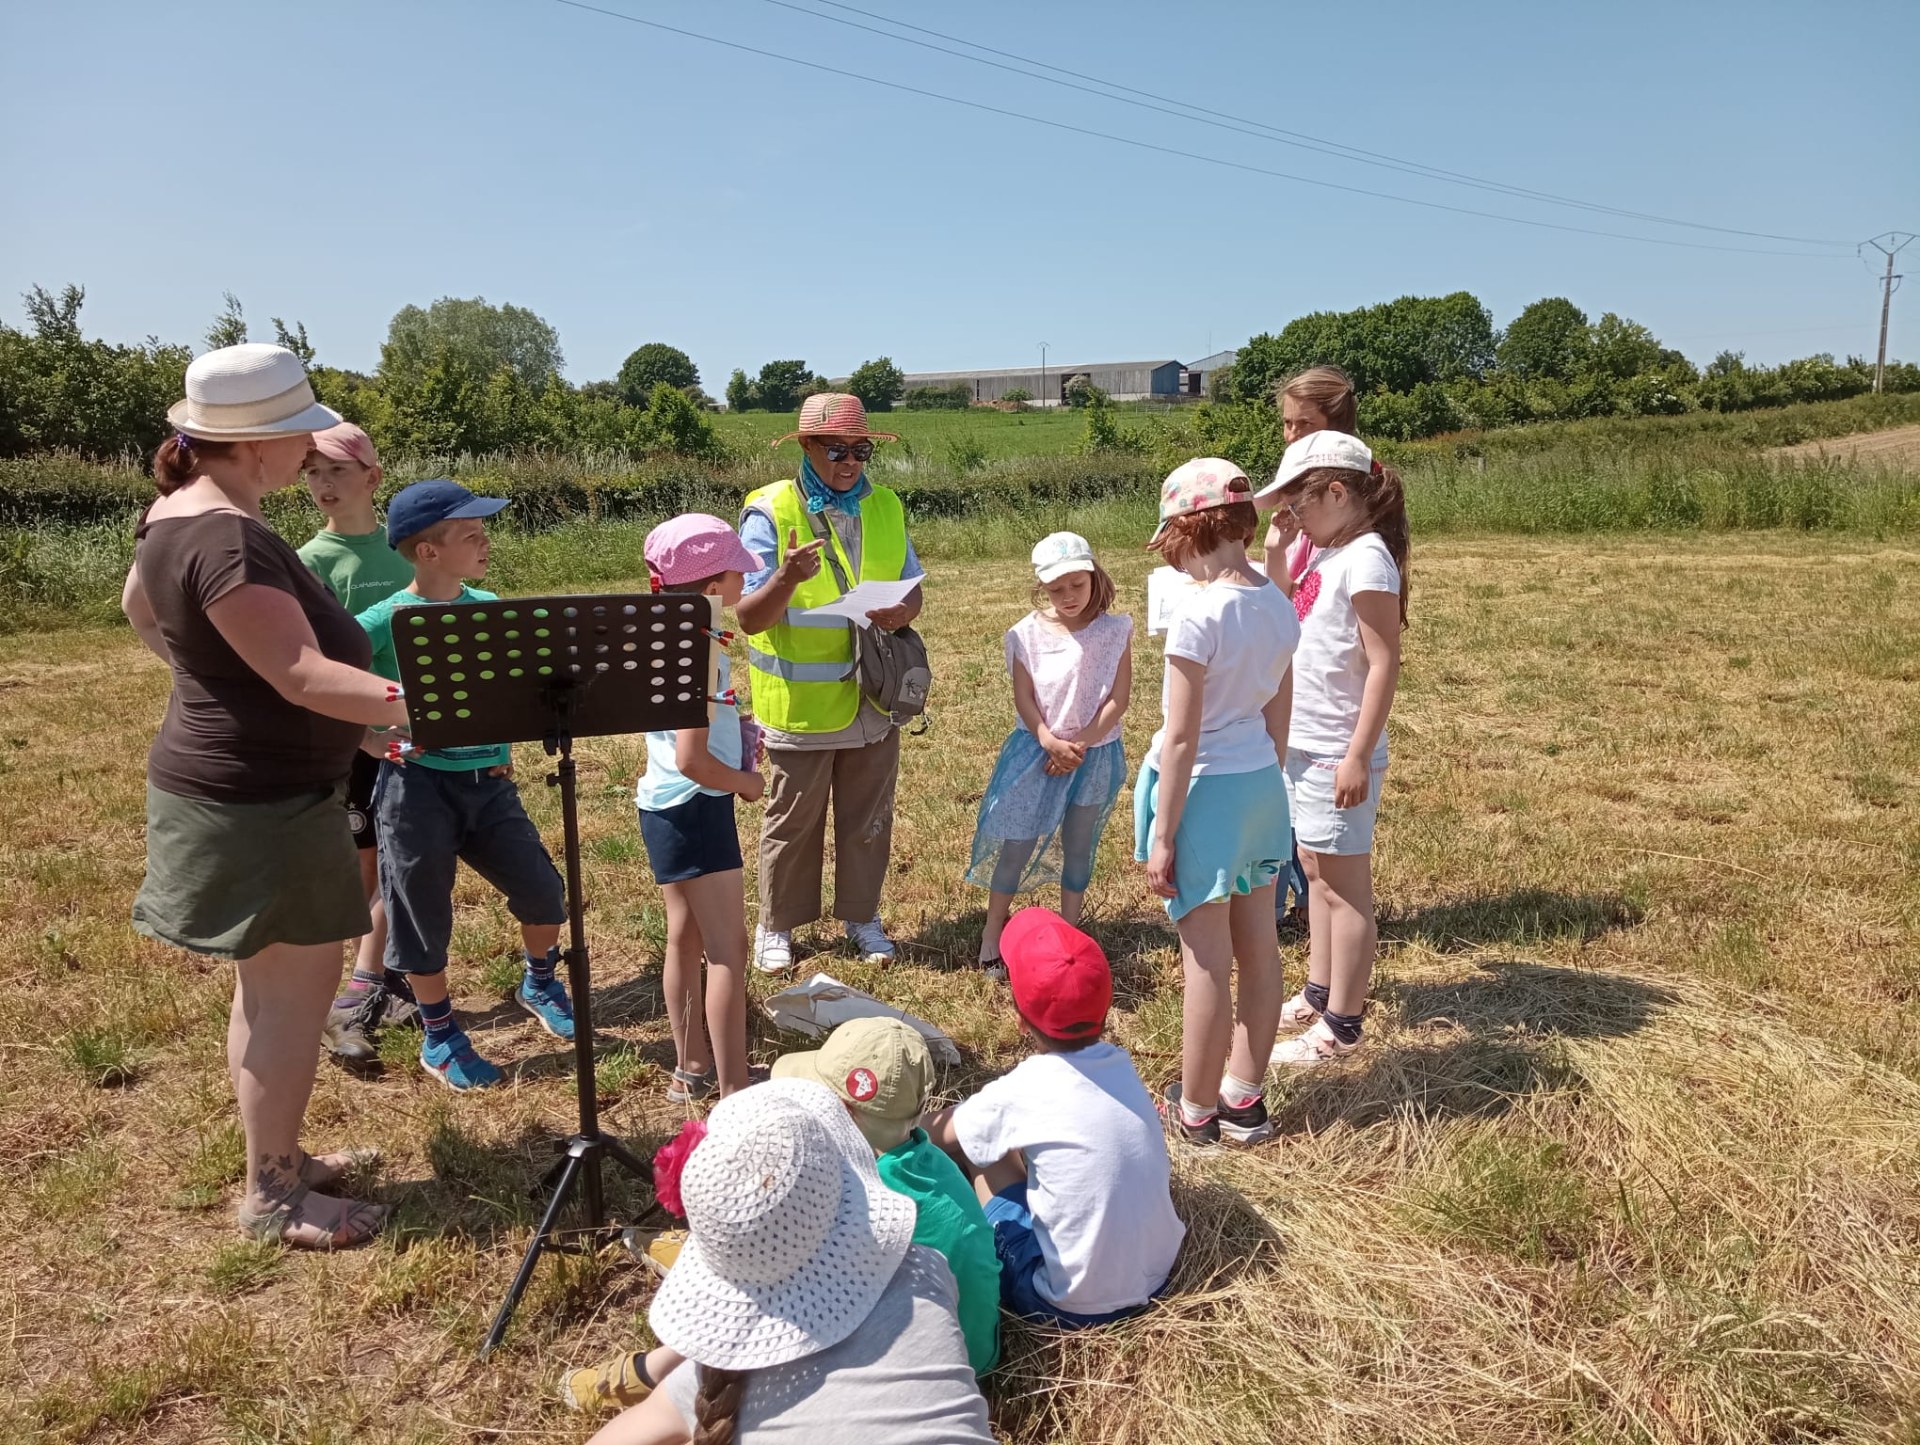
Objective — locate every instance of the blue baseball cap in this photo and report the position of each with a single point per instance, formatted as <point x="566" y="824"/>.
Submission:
<point x="421" y="505"/>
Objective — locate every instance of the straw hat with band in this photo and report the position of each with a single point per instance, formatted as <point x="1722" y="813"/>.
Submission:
<point x="792" y="1236"/>
<point x="835" y="414"/>
<point x="882" y="1070"/>
<point x="246" y="393"/>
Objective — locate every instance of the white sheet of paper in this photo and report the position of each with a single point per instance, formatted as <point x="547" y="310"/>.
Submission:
<point x="866" y="597"/>
<point x="1167" y="588"/>
<point x="822" y="1003"/>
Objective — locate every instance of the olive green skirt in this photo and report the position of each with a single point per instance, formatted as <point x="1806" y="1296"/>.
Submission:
<point x="231" y="879"/>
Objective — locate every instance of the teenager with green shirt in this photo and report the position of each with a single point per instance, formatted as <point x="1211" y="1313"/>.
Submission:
<point x="882" y="1071"/>
<point x="352" y="556"/>
<point x="439" y="808"/>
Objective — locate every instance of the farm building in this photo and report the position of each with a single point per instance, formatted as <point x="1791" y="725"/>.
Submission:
<point x="1193" y="376"/>
<point x="1121" y="380"/>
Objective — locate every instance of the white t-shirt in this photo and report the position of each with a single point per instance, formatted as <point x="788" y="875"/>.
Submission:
<point x="1245" y="638"/>
<point x="663" y="785"/>
<point x="1330" y="673"/>
<point x="1097" y="1173"/>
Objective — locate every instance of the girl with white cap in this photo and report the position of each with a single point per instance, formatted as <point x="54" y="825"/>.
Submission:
<point x="1071" y="663"/>
<point x="249" y="852"/>
<point x="803" y="1308"/>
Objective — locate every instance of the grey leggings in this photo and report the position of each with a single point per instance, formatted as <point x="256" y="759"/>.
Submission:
<point x="1079" y="832"/>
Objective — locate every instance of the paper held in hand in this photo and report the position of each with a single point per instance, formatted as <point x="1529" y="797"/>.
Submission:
<point x="864" y="598"/>
<point x="1167" y="588"/>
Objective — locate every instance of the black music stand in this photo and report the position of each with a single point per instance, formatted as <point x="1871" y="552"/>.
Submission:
<point x="550" y="669"/>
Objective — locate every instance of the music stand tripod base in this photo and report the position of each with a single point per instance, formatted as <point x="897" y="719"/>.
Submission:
<point x="548" y="670"/>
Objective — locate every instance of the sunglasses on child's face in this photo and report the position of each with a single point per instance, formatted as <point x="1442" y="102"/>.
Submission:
<point x="839" y="451"/>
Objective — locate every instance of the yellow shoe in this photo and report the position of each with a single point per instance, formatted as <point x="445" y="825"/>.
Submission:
<point x="657" y="1249"/>
<point x="611" y="1385"/>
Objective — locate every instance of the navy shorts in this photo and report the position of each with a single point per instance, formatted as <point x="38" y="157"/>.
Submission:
<point x="1021" y="1259"/>
<point x="691" y="839"/>
<point x="366" y="772"/>
<point x="431" y="820"/>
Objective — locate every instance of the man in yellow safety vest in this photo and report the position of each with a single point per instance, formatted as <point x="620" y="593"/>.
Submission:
<point x="827" y="745"/>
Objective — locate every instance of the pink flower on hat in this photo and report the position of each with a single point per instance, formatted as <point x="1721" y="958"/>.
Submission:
<point x="1200" y="484"/>
<point x="670" y="1160"/>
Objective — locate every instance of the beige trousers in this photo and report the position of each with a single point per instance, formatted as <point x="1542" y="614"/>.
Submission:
<point x="858" y="783"/>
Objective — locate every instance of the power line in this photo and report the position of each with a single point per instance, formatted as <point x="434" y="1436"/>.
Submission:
<point x="1260" y="130"/>
<point x="1221" y="161"/>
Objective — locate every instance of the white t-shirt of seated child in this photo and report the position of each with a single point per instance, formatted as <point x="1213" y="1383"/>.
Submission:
<point x="1097" y="1173"/>
<point x="1330" y="670"/>
<point x="1245" y="638"/>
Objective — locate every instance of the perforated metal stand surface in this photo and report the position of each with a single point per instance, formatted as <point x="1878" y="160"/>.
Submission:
<point x="550" y="669"/>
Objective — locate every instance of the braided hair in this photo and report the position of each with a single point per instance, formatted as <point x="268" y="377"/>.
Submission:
<point x="716" y="1406"/>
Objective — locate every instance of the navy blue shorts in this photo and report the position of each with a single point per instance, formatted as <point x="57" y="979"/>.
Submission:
<point x="1021" y="1259"/>
<point x="691" y="839"/>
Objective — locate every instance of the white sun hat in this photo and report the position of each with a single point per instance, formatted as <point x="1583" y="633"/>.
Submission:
<point x="247" y="393"/>
<point x="1059" y="553"/>
<point x="791" y="1235"/>
<point x="1319" y="449"/>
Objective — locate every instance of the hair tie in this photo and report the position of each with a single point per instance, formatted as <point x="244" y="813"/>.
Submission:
<point x="1376" y="466"/>
<point x="183" y="441"/>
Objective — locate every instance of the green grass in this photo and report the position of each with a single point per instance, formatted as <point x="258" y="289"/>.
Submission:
<point x="928" y="435"/>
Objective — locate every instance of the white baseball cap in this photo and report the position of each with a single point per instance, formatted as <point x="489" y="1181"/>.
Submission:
<point x="1320" y="449"/>
<point x="1059" y="553"/>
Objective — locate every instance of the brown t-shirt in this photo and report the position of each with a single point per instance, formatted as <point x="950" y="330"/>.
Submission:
<point x="228" y="737"/>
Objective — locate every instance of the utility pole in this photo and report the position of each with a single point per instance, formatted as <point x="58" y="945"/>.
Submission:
<point x="1044" y="399"/>
<point x="1890" y="244"/>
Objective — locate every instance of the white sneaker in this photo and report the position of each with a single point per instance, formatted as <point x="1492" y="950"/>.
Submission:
<point x="772" y="950"/>
<point x="872" y="941"/>
<point x="1297" y="1013"/>
<point x="1316" y="1046"/>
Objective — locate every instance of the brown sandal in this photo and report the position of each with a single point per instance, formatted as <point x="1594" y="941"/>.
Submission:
<point x="284" y="1224"/>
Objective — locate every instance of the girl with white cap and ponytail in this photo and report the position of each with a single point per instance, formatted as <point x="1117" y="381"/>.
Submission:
<point x="249" y="852"/>
<point x="802" y="1307"/>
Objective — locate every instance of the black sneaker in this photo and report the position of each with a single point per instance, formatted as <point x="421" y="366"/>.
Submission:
<point x="1244" y="1127"/>
<point x="1201" y="1136"/>
<point x="352" y="1034"/>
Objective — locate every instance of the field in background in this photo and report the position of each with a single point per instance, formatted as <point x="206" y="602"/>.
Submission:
<point x="1629" y="1159"/>
<point x="935" y="434"/>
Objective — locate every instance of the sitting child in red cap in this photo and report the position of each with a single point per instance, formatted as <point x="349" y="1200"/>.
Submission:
<point x="1067" y="1152"/>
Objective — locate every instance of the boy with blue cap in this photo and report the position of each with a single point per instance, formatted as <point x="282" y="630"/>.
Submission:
<point x="443" y="806"/>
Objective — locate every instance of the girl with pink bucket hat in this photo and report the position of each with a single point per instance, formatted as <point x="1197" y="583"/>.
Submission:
<point x="799" y="1301"/>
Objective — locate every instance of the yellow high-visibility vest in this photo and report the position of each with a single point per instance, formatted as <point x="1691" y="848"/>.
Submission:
<point x="803" y="669"/>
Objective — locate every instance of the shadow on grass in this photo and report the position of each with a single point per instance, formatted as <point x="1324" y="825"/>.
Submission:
<point x="1522" y="916"/>
<point x="1515" y="1017"/>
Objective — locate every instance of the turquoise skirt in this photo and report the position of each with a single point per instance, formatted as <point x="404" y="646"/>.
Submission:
<point x="1235" y="835"/>
<point x="1036" y="828"/>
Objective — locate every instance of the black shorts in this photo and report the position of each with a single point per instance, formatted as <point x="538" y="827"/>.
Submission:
<point x="366" y="771"/>
<point x="691" y="839"/>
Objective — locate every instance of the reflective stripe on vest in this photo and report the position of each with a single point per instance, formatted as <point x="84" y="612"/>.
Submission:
<point x="802" y="668"/>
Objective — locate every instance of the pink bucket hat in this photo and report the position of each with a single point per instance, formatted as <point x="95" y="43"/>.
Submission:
<point x="1198" y="485"/>
<point x="834" y="414"/>
<point x="346" y="443"/>
<point x="696" y="545"/>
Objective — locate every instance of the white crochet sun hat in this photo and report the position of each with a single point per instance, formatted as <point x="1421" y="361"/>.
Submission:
<point x="791" y="1235"/>
<point x="247" y="393"/>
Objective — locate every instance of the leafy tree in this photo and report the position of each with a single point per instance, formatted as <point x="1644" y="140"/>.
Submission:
<point x="229" y="328"/>
<point x="1104" y="435"/>
<point x="1081" y="392"/>
<point x="60" y="390"/>
<point x="957" y="397"/>
<point x="878" y="383"/>
<point x="294" y="340"/>
<point x="1019" y="396"/>
<point x="1393" y="346"/>
<point x="742" y="395"/>
<point x="652" y="364"/>
<point x="477" y="337"/>
<point x="1620" y="348"/>
<point x="1547" y="340"/>
<point x="779" y="384"/>
<point x="673" y="423"/>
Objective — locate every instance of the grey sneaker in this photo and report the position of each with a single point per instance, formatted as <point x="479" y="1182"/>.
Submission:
<point x="352" y="1032"/>
<point x="871" y="941"/>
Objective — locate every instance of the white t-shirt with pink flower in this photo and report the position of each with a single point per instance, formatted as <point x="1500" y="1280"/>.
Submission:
<point x="1330" y="669"/>
<point x="1072" y="672"/>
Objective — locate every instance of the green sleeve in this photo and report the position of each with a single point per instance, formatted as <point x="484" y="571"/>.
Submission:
<point x="377" y="623"/>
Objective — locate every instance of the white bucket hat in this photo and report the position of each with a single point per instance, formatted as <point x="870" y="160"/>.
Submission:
<point x="248" y="393"/>
<point x="1319" y="449"/>
<point x="792" y="1236"/>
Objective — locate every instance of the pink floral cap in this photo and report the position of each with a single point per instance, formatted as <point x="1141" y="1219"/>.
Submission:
<point x="834" y="414"/>
<point x="695" y="545"/>
<point x="1198" y="485"/>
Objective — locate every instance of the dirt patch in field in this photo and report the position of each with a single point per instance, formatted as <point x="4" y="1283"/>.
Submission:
<point x="1896" y="447"/>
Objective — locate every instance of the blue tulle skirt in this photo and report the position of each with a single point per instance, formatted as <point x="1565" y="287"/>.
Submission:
<point x="1036" y="829"/>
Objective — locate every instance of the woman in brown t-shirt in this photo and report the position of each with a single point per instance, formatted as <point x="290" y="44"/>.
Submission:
<point x="249" y="856"/>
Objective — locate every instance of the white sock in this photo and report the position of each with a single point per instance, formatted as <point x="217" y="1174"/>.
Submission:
<point x="1237" y="1093"/>
<point x="1193" y="1116"/>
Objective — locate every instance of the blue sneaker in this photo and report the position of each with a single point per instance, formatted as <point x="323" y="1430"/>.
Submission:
<point x="547" y="1002"/>
<point x="453" y="1062"/>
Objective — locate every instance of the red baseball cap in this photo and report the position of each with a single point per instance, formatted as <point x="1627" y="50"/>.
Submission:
<point x="1059" y="976"/>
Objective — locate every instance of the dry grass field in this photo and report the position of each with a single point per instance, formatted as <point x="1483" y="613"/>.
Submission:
<point x="1894" y="448"/>
<point x="1633" y="1156"/>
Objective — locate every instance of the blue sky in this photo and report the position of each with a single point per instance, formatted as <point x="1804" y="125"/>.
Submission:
<point x="332" y="163"/>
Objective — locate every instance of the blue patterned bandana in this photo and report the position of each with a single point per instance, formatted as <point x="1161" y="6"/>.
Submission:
<point x="820" y="496"/>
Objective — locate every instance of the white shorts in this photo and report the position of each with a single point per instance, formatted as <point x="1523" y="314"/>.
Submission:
<point x="1318" y="826"/>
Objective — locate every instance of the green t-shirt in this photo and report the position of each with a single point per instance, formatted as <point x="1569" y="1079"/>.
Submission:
<point x="357" y="570"/>
<point x="378" y="622"/>
<point x="951" y="1221"/>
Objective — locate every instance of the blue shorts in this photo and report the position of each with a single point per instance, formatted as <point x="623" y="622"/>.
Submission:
<point x="691" y="839"/>
<point x="1021" y="1259"/>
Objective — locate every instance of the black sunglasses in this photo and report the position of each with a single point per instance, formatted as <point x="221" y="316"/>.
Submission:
<point x="861" y="451"/>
